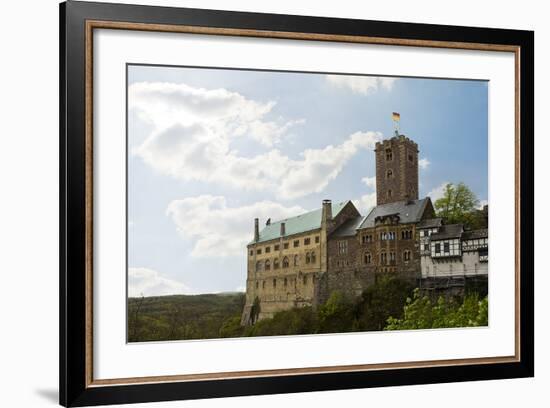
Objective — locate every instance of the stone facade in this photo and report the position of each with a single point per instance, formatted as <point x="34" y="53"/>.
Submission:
<point x="300" y="261"/>
<point x="396" y="170"/>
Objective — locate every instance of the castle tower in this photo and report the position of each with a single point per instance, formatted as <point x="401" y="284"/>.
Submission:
<point x="396" y="170"/>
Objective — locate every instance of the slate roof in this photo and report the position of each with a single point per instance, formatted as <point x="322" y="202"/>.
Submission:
<point x="408" y="211"/>
<point x="430" y="223"/>
<point x="348" y="228"/>
<point x="475" y="234"/>
<point x="296" y="225"/>
<point x="448" y="232"/>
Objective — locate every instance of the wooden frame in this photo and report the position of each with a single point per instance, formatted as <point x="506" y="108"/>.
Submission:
<point x="77" y="22"/>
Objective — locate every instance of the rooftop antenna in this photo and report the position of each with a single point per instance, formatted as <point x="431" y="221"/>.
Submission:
<point x="396" y="117"/>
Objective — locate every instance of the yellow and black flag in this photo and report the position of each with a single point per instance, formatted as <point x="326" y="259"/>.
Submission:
<point x="395" y="116"/>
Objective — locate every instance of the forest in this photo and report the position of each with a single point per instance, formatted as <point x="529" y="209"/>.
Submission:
<point x="390" y="304"/>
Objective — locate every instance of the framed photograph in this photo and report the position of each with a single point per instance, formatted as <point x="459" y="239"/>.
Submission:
<point x="257" y="204"/>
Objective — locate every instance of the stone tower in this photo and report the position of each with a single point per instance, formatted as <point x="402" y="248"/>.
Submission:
<point x="396" y="170"/>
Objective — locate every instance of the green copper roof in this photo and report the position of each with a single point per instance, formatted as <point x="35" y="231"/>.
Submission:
<point x="296" y="225"/>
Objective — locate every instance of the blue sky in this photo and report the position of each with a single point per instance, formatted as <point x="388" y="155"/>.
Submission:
<point x="211" y="149"/>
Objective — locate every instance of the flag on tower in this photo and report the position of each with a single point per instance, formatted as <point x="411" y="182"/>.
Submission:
<point x="395" y="116"/>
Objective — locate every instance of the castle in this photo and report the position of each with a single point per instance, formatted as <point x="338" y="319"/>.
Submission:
<point x="300" y="261"/>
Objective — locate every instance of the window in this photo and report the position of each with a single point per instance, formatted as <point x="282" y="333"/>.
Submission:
<point x="267" y="265"/>
<point x="411" y="157"/>
<point x="257" y="284"/>
<point x="276" y="263"/>
<point x="276" y="248"/>
<point x="389" y="193"/>
<point x="317" y="239"/>
<point x="368" y="258"/>
<point x="251" y="252"/>
<point x="446" y="247"/>
<point x="286" y="282"/>
<point x="307" y="241"/>
<point x="313" y="257"/>
<point x="259" y="251"/>
<point x="426" y="247"/>
<point x="285" y="245"/>
<point x="285" y="262"/>
<point x="392" y="256"/>
<point x="308" y="259"/>
<point x="296" y="243"/>
<point x="295" y="260"/>
<point x="263" y="285"/>
<point x="407" y="255"/>
<point x="406" y="234"/>
<point x="437" y="248"/>
<point x="305" y="280"/>
<point x="421" y="233"/>
<point x="274" y="283"/>
<point x="389" y="174"/>
<point x="342" y="247"/>
<point x="258" y="266"/>
<point x="389" y="155"/>
<point x="383" y="258"/>
<point x="267" y="250"/>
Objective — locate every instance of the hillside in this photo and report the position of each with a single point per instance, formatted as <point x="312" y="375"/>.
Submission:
<point x="181" y="317"/>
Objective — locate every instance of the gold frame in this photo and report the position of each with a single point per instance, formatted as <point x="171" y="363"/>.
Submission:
<point x="98" y="24"/>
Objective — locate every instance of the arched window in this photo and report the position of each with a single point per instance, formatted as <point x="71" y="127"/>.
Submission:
<point x="313" y="257"/>
<point x="267" y="265"/>
<point x="285" y="262"/>
<point x="368" y="258"/>
<point x="308" y="259"/>
<point x="389" y="155"/>
<point x="276" y="263"/>
<point x="258" y="266"/>
<point x="389" y="174"/>
<point x="406" y="255"/>
<point x="295" y="260"/>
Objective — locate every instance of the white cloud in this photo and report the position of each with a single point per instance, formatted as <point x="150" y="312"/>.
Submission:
<point x="437" y="192"/>
<point x="220" y="111"/>
<point x="424" y="163"/>
<point x="219" y="230"/>
<point x="194" y="129"/>
<point x="370" y="181"/>
<point x="365" y="203"/>
<point x="361" y="84"/>
<point x="148" y="282"/>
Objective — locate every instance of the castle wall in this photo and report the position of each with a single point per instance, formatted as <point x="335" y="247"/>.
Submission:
<point x="286" y="286"/>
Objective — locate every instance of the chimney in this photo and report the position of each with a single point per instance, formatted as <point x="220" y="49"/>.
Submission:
<point x="268" y="222"/>
<point x="256" y="230"/>
<point x="283" y="231"/>
<point x="326" y="214"/>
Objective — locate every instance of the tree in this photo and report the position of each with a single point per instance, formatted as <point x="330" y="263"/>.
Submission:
<point x="458" y="204"/>
<point x="380" y="301"/>
<point x="421" y="313"/>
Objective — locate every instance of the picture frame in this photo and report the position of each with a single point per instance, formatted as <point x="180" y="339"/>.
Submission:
<point x="78" y="385"/>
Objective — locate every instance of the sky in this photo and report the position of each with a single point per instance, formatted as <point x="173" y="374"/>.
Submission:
<point x="211" y="149"/>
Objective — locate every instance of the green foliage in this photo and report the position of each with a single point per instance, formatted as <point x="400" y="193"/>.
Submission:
<point x="380" y="301"/>
<point x="337" y="314"/>
<point x="301" y="320"/>
<point x="181" y="317"/>
<point x="421" y="313"/>
<point x="459" y="205"/>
